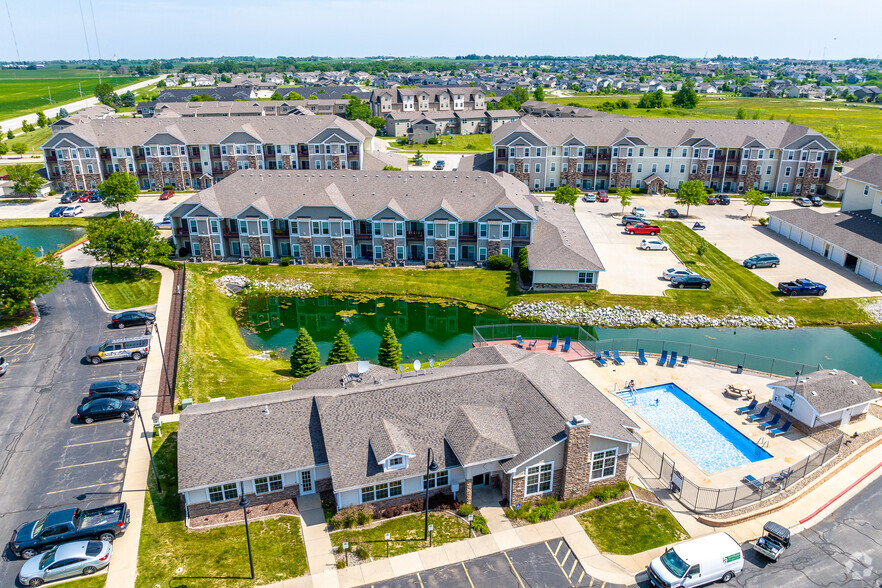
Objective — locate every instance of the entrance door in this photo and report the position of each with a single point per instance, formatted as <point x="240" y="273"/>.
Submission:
<point x="846" y="417"/>
<point x="481" y="480"/>
<point x="850" y="261"/>
<point x="306" y="485"/>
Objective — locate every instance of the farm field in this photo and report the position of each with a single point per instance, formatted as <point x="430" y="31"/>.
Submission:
<point x="27" y="91"/>
<point x="861" y="123"/>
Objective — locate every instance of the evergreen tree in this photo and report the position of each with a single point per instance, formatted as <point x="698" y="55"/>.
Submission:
<point x="305" y="359"/>
<point x="390" y="349"/>
<point x="342" y="350"/>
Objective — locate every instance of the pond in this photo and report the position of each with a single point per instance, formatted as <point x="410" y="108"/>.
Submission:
<point x="49" y="238"/>
<point x="427" y="330"/>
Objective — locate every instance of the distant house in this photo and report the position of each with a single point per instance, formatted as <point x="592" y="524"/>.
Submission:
<point x="868" y="93"/>
<point x="822" y="399"/>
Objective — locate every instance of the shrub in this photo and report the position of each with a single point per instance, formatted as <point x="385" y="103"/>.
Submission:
<point x="524" y="267"/>
<point x="513" y="514"/>
<point x="432" y="141"/>
<point x="341" y="563"/>
<point x="166" y="262"/>
<point x="499" y="262"/>
<point x="612" y="190"/>
<point x="260" y="260"/>
<point x="52" y="192"/>
<point x="361" y="552"/>
<point x="764" y="221"/>
<point x="465" y="510"/>
<point x="351" y="516"/>
<point x="546" y="508"/>
<point x="284" y="261"/>
<point x="479" y="524"/>
<point x="363" y="517"/>
<point x="168" y="187"/>
<point x="434" y="265"/>
<point x="471" y="146"/>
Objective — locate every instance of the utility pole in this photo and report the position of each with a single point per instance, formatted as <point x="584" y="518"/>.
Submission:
<point x="50" y="93"/>
<point x="80" y="84"/>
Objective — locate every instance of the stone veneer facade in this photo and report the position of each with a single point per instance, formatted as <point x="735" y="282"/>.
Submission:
<point x="554" y="287"/>
<point x="621" y="177"/>
<point x="577" y="453"/>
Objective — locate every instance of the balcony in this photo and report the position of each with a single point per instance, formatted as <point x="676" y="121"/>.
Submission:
<point x="227" y="232"/>
<point x="520" y="239"/>
<point x="105" y="155"/>
<point x="182" y="232"/>
<point x="280" y="232"/>
<point x="415" y="235"/>
<point x="52" y="158"/>
<point x="363" y="235"/>
<point x="468" y="237"/>
<point x="603" y="156"/>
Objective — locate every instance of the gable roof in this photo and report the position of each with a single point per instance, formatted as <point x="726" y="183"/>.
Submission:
<point x="830" y="391"/>
<point x="857" y="231"/>
<point x="866" y="169"/>
<point x="560" y="241"/>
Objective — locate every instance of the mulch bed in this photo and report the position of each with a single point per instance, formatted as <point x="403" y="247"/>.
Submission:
<point x="288" y="506"/>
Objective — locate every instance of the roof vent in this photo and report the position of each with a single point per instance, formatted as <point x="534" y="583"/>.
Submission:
<point x="265" y="409"/>
<point x="854" y="382"/>
<point x="814" y="393"/>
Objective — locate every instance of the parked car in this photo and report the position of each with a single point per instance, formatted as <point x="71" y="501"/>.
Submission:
<point x="68" y="197"/>
<point x="105" y="523"/>
<point x="78" y="558"/>
<point x="115" y="389"/>
<point x="802" y="201"/>
<point x="816" y="201"/>
<point x="134" y="347"/>
<point x="132" y="317"/>
<point x="711" y="199"/>
<point x="676" y="272"/>
<point x="671" y="213"/>
<point x="723" y="199"/>
<point x="653" y="244"/>
<point x="57" y="211"/>
<point x="642" y="229"/>
<point x="166" y="194"/>
<point x="439" y="165"/>
<point x="761" y="260"/>
<point x="84" y="197"/>
<point x="102" y="409"/>
<point x="589" y="197"/>
<point x="164" y="224"/>
<point x="693" y="281"/>
<point x="96" y="197"/>
<point x="639" y="211"/>
<point x="72" y="210"/>
<point x="802" y="287"/>
<point x="766" y="201"/>
<point x="4" y="366"/>
<point x="697" y="562"/>
<point x="602" y="196"/>
<point x="632" y="219"/>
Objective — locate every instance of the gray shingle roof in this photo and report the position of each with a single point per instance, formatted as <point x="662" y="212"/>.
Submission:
<point x="330" y="376"/>
<point x="830" y="391"/>
<point x="560" y="242"/>
<point x="481" y="433"/>
<point x="867" y="169"/>
<point x="859" y="232"/>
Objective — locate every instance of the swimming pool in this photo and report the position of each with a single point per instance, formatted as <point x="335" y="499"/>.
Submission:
<point x="708" y="440"/>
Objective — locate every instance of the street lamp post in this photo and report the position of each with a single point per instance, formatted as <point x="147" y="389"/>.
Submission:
<point x="245" y="503"/>
<point x="431" y="466"/>
<point x="147" y="441"/>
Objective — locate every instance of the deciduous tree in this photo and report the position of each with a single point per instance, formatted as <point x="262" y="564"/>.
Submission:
<point x="539" y="93"/>
<point x="24" y="179"/>
<point x="390" y="349"/>
<point x="691" y="193"/>
<point x="119" y="188"/>
<point x="566" y="195"/>
<point x="342" y="350"/>
<point x="625" y="197"/>
<point x="144" y="242"/>
<point x="305" y="359"/>
<point x="109" y="240"/>
<point x="20" y="148"/>
<point x="42" y="121"/>
<point x="686" y="96"/>
<point x="754" y="198"/>
<point x="24" y="275"/>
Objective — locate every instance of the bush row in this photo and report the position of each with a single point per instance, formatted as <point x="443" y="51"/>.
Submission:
<point x="524" y="267"/>
<point x="260" y="260"/>
<point x="363" y="514"/>
<point x="547" y="507"/>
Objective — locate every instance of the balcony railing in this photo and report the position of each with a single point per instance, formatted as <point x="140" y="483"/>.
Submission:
<point x="182" y="232"/>
<point x="468" y="237"/>
<point x="520" y="238"/>
<point x="230" y="232"/>
<point x="280" y="232"/>
<point x="603" y="156"/>
<point x="361" y="235"/>
<point x="415" y="235"/>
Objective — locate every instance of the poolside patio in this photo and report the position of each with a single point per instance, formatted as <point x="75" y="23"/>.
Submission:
<point x="576" y="351"/>
<point x="705" y="383"/>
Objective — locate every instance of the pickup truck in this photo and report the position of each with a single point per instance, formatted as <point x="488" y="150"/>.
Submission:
<point x="802" y="287"/>
<point x="105" y="524"/>
<point x="639" y="229"/>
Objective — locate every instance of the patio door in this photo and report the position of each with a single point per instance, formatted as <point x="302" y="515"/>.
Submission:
<point x="306" y="482"/>
<point x="481" y="479"/>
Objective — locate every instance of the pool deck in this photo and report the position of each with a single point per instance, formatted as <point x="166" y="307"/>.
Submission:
<point x="577" y="350"/>
<point x="705" y="383"/>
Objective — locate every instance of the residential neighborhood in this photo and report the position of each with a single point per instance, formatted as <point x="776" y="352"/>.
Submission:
<point x="283" y="306"/>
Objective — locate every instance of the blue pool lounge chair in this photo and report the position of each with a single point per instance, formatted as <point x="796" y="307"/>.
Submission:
<point x="566" y="345"/>
<point x="553" y="345"/>
<point x="520" y="341"/>
<point x="618" y="357"/>
<point x="673" y="361"/>
<point x="532" y="345"/>
<point x="748" y="408"/>
<point x="771" y="424"/>
<point x="758" y="416"/>
<point x="753" y="482"/>
<point x="641" y="357"/>
<point x="684" y="361"/>
<point x="600" y="361"/>
<point x="781" y="430"/>
<point x="663" y="358"/>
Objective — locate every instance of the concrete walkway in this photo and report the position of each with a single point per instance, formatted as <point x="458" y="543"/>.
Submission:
<point x="319" y="551"/>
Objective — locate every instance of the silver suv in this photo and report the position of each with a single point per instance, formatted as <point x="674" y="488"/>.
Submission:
<point x="4" y="365"/>
<point x="134" y="347"/>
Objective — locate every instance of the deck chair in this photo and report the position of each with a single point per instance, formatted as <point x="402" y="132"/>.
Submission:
<point x="748" y="408"/>
<point x="553" y="345"/>
<point x="532" y="345"/>
<point x="684" y="361"/>
<point x="663" y="358"/>
<point x="600" y="361"/>
<point x="641" y="357"/>
<point x="520" y="341"/>
<point x="617" y="357"/>
<point x="753" y="482"/>
<point x="771" y="424"/>
<point x="608" y="357"/>
<point x="781" y="430"/>
<point x="758" y="416"/>
<point x="566" y="345"/>
<point x="673" y="361"/>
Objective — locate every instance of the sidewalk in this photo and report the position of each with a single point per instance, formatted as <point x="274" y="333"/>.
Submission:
<point x="124" y="567"/>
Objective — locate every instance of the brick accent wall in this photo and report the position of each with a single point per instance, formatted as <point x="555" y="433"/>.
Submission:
<point x="337" y="249"/>
<point x="255" y="245"/>
<point x="286" y="161"/>
<point x="750" y="176"/>
<point x="335" y="162"/>
<point x="577" y="453"/>
<point x="621" y="177"/>
<point x="306" y="249"/>
<point x="389" y="250"/>
<point x="564" y="287"/>
<point x="205" y="246"/>
<point x="252" y="162"/>
<point x="232" y="506"/>
<point x="322" y="486"/>
<point x="465" y="490"/>
<point x="407" y="498"/>
<point x="519" y="484"/>
<point x="520" y="173"/>
<point x="573" y="177"/>
<point x="807" y="180"/>
<point x="701" y="165"/>
<point x="441" y="250"/>
<point x="494" y="248"/>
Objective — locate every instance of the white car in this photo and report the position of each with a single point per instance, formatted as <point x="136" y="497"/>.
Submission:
<point x="590" y="197"/>
<point x="165" y="223"/>
<point x="639" y="211"/>
<point x="676" y="272"/>
<point x="653" y="244"/>
<point x="72" y="210"/>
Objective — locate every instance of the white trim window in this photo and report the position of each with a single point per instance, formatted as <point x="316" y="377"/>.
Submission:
<point x="223" y="492"/>
<point x="436" y="479"/>
<point x="586" y="277"/>
<point x="268" y="484"/>
<point x="380" y="491"/>
<point x="603" y="464"/>
<point x="538" y="479"/>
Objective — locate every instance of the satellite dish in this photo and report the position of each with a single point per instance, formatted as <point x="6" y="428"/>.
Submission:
<point x="364" y="367"/>
<point x="417" y="365"/>
<point x="431" y="362"/>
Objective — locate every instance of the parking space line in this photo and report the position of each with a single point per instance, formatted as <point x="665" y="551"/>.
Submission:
<point x="563" y="571"/>
<point x="20" y="349"/>
<point x="84" y="487"/>
<point x="517" y="575"/>
<point x="469" y="578"/>
<point x="591" y="583"/>
<point x="566" y="557"/>
<point x="559" y="543"/>
<point x="573" y="569"/>
<point x="420" y="579"/>
<point x="582" y="575"/>
<point x="79" y="465"/>
<point x="95" y="442"/>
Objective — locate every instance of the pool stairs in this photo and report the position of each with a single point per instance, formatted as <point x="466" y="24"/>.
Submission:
<point x="627" y="396"/>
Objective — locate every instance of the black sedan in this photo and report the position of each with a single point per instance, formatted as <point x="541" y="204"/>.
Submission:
<point x="132" y="317"/>
<point x="632" y="219"/>
<point x="723" y="199"/>
<point x="671" y="213"/>
<point x="114" y="389"/>
<point x="691" y="282"/>
<point x="104" y="408"/>
<point x="57" y="211"/>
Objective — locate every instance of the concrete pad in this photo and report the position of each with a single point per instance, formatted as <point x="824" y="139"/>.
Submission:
<point x="377" y="571"/>
<point x="409" y="563"/>
<point x="529" y="534"/>
<point x="352" y="576"/>
<point x="434" y="557"/>
<point x="568" y="525"/>
<point x="301" y="582"/>
<point x="327" y="579"/>
<point x="507" y="540"/>
<point x="547" y="530"/>
<point x="581" y="545"/>
<point x="599" y="566"/>
<point x="459" y="551"/>
<point x="484" y="545"/>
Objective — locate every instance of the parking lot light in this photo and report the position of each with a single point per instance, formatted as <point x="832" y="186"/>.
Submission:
<point x="245" y="503"/>
<point x="127" y="419"/>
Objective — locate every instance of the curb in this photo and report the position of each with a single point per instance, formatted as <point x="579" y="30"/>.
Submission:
<point x="35" y="320"/>
<point x="104" y="303"/>
<point x="840" y="495"/>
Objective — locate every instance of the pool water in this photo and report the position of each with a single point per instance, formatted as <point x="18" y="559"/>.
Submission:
<point x="712" y="443"/>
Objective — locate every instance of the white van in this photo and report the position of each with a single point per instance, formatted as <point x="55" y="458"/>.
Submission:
<point x="697" y="562"/>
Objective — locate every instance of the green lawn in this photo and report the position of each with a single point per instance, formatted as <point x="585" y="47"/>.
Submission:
<point x="217" y="558"/>
<point x="407" y="534"/>
<point x="70" y="221"/>
<point x="630" y="527"/>
<point x="450" y="143"/>
<point x="27" y="91"/>
<point x="860" y="124"/>
<point x="32" y="140"/>
<point x="123" y="288"/>
<point x="92" y="582"/>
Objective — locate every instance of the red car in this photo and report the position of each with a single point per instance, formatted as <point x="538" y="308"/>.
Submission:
<point x="602" y="197"/>
<point x="166" y="194"/>
<point x="642" y="230"/>
<point x="711" y="200"/>
<point x="84" y="197"/>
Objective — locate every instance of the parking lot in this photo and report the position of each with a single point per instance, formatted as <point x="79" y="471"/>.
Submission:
<point x="48" y="461"/>
<point x="148" y="205"/>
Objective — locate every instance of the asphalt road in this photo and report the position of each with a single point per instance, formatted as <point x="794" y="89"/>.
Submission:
<point x="47" y="460"/>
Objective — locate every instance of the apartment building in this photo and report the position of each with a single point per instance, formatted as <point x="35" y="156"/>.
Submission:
<point x="250" y="108"/>
<point x="658" y="154"/>
<point x="427" y="99"/>
<point x="196" y="152"/>
<point x="394" y="218"/>
<point x="420" y="126"/>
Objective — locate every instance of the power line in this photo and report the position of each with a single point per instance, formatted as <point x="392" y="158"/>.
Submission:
<point x="14" y="40"/>
<point x="85" y="35"/>
<point x="97" y="42"/>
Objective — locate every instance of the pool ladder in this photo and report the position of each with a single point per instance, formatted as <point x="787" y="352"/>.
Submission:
<point x="627" y="396"/>
<point x="762" y="442"/>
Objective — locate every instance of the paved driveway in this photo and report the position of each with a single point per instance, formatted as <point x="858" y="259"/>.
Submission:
<point x="629" y="270"/>
<point x="149" y="206"/>
<point x="47" y="460"/>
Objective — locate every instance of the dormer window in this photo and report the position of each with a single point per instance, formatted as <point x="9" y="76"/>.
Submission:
<point x="396" y="462"/>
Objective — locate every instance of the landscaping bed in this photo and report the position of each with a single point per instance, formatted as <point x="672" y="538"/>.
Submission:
<point x="630" y="527"/>
<point x="124" y="287"/>
<point x="549" y="507"/>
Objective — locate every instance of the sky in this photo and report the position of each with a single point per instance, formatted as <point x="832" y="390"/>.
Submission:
<point x="805" y="29"/>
